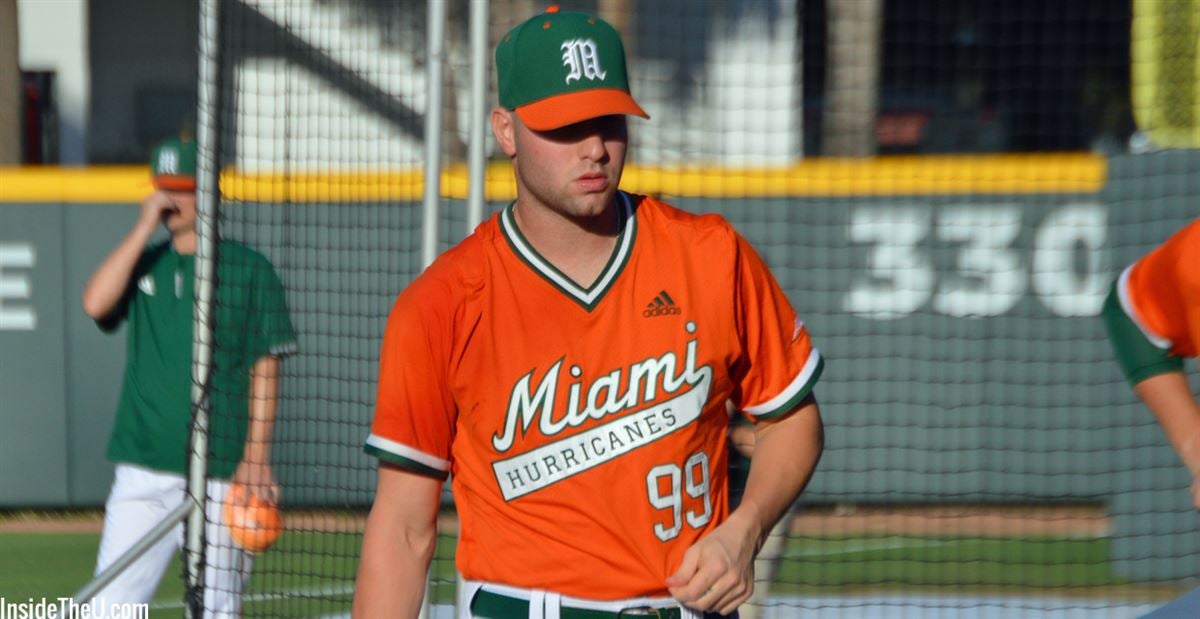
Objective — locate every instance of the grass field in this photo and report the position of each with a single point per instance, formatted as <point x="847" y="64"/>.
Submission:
<point x="311" y="574"/>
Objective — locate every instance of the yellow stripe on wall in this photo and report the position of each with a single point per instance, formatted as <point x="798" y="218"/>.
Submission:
<point x="934" y="175"/>
<point x="103" y="184"/>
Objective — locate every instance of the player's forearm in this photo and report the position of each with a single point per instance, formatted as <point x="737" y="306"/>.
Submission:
<point x="392" y="571"/>
<point x="1169" y="398"/>
<point x="108" y="283"/>
<point x="397" y="546"/>
<point x="785" y="455"/>
<point x="264" y="395"/>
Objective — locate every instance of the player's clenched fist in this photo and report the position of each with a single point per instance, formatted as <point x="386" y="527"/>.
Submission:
<point x="717" y="572"/>
<point x="154" y="207"/>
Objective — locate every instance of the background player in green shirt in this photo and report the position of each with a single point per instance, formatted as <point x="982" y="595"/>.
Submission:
<point x="151" y="288"/>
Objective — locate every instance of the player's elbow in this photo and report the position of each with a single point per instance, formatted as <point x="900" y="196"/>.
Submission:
<point x="401" y="528"/>
<point x="417" y="541"/>
<point x="94" y="306"/>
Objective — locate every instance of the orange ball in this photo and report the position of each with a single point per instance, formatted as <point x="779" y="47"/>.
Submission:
<point x="254" y="524"/>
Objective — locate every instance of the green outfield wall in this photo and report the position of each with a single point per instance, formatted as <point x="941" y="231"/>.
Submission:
<point x="965" y="359"/>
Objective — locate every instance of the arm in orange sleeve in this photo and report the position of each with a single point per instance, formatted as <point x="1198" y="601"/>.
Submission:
<point x="1169" y="395"/>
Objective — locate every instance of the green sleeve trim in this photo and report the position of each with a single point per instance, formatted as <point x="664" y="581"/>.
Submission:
<point x="1138" y="357"/>
<point x="407" y="464"/>
<point x="794" y="401"/>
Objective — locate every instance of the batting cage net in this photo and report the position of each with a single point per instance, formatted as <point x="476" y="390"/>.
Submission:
<point x="946" y="192"/>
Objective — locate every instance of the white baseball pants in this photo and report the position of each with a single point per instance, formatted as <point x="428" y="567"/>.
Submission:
<point x="141" y="498"/>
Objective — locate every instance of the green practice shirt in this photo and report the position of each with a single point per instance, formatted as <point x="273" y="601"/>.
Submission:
<point x="154" y="413"/>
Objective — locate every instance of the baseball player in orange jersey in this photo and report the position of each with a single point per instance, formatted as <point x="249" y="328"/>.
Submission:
<point x="1153" y="321"/>
<point x="569" y="364"/>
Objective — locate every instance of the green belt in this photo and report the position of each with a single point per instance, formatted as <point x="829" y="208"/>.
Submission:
<point x="489" y="605"/>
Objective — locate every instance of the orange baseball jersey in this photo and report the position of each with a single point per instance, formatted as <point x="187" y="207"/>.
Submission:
<point x="585" y="427"/>
<point x="1161" y="293"/>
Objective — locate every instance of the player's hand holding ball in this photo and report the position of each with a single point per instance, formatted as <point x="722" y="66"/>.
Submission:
<point x="250" y="508"/>
<point x="258" y="478"/>
<point x="254" y="523"/>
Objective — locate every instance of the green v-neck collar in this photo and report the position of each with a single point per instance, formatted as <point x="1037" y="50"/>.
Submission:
<point x="587" y="297"/>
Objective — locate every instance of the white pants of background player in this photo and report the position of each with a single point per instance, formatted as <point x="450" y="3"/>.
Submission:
<point x="140" y="499"/>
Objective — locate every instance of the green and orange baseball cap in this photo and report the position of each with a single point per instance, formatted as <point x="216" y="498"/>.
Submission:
<point x="561" y="68"/>
<point x="173" y="165"/>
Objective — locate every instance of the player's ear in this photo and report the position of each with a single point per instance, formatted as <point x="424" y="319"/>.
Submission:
<point x="504" y="127"/>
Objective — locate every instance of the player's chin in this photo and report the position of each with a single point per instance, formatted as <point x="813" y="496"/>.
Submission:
<point x="176" y="223"/>
<point x="593" y="203"/>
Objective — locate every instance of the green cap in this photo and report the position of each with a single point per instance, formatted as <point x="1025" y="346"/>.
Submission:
<point x="558" y="68"/>
<point x="173" y="165"/>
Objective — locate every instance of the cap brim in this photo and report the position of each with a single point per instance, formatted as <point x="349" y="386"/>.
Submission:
<point x="175" y="183"/>
<point x="567" y="109"/>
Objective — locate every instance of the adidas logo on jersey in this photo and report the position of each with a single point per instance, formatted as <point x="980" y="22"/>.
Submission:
<point x="662" y="305"/>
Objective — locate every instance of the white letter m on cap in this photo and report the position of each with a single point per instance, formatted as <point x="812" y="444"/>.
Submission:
<point x="581" y="57"/>
<point x="168" y="161"/>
